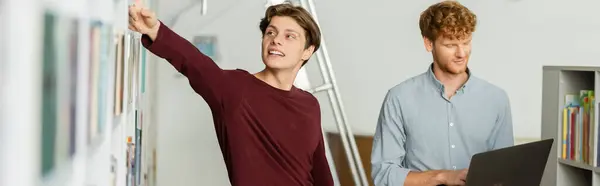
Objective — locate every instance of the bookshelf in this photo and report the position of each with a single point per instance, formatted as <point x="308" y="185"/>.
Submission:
<point x="570" y="115"/>
<point x="74" y="83"/>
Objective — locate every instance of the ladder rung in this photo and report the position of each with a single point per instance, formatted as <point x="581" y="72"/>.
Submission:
<point x="320" y="88"/>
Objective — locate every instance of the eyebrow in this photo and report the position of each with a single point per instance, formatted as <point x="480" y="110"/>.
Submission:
<point x="455" y="42"/>
<point x="287" y="30"/>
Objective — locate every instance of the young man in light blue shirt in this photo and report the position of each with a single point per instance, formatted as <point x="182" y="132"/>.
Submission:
<point x="432" y="124"/>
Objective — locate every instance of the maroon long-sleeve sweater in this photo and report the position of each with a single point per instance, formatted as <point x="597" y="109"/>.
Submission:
<point x="268" y="136"/>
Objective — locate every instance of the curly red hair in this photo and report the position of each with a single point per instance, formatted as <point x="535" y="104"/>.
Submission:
<point x="449" y="19"/>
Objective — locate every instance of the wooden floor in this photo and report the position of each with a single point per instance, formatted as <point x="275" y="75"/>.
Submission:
<point x="364" y="144"/>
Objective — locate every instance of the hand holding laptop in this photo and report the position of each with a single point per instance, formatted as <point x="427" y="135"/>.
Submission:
<point x="522" y="164"/>
<point x="452" y="177"/>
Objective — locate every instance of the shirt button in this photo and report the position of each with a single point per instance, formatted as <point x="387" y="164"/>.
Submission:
<point x="452" y="146"/>
<point x="451" y="124"/>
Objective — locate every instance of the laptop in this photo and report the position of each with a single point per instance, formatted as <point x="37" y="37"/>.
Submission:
<point x="517" y="165"/>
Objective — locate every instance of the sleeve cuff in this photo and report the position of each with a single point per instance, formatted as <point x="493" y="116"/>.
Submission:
<point x="400" y="176"/>
<point x="392" y="175"/>
<point x="151" y="45"/>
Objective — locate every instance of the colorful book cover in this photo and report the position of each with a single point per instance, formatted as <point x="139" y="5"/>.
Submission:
<point x="571" y="104"/>
<point x="564" y="133"/>
<point x="598" y="133"/>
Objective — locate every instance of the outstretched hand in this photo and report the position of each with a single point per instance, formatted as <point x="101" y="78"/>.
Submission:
<point x="143" y="20"/>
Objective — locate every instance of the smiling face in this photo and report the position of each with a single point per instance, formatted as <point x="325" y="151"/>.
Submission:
<point x="284" y="44"/>
<point x="450" y="55"/>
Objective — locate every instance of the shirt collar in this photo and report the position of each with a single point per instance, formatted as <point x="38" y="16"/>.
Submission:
<point x="440" y="87"/>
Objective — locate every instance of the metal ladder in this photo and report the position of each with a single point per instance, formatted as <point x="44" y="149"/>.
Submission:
<point x="330" y="86"/>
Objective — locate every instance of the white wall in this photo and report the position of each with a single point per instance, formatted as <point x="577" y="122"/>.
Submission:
<point x="380" y="42"/>
<point x="512" y="42"/>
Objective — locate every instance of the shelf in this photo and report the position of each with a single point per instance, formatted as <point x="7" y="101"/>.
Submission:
<point x="579" y="165"/>
<point x="570" y="116"/>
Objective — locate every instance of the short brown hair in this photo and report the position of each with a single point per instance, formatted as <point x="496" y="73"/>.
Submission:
<point x="301" y="16"/>
<point x="449" y="19"/>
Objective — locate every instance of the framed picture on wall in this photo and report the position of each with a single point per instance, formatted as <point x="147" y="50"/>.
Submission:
<point x="73" y="25"/>
<point x="60" y="68"/>
<point x="106" y="78"/>
<point x="119" y="87"/>
<point x="131" y="68"/>
<point x="144" y="61"/>
<point x="94" y="68"/>
<point x="207" y="45"/>
<point x="136" y="72"/>
<point x="49" y="92"/>
<point x="101" y="65"/>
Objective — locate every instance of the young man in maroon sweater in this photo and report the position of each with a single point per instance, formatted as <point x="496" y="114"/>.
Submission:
<point x="269" y="131"/>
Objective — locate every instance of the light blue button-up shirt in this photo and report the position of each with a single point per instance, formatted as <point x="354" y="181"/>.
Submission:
<point x="420" y="129"/>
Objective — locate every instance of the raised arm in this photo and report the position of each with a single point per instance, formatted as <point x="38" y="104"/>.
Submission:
<point x="388" y="153"/>
<point x="204" y="76"/>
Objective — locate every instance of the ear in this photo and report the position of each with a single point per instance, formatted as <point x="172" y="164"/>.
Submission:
<point x="308" y="52"/>
<point x="428" y="44"/>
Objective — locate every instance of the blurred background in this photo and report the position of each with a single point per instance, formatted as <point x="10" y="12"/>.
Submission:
<point x="82" y="103"/>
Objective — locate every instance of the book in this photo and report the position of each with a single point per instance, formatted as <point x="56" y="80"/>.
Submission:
<point x="579" y="128"/>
